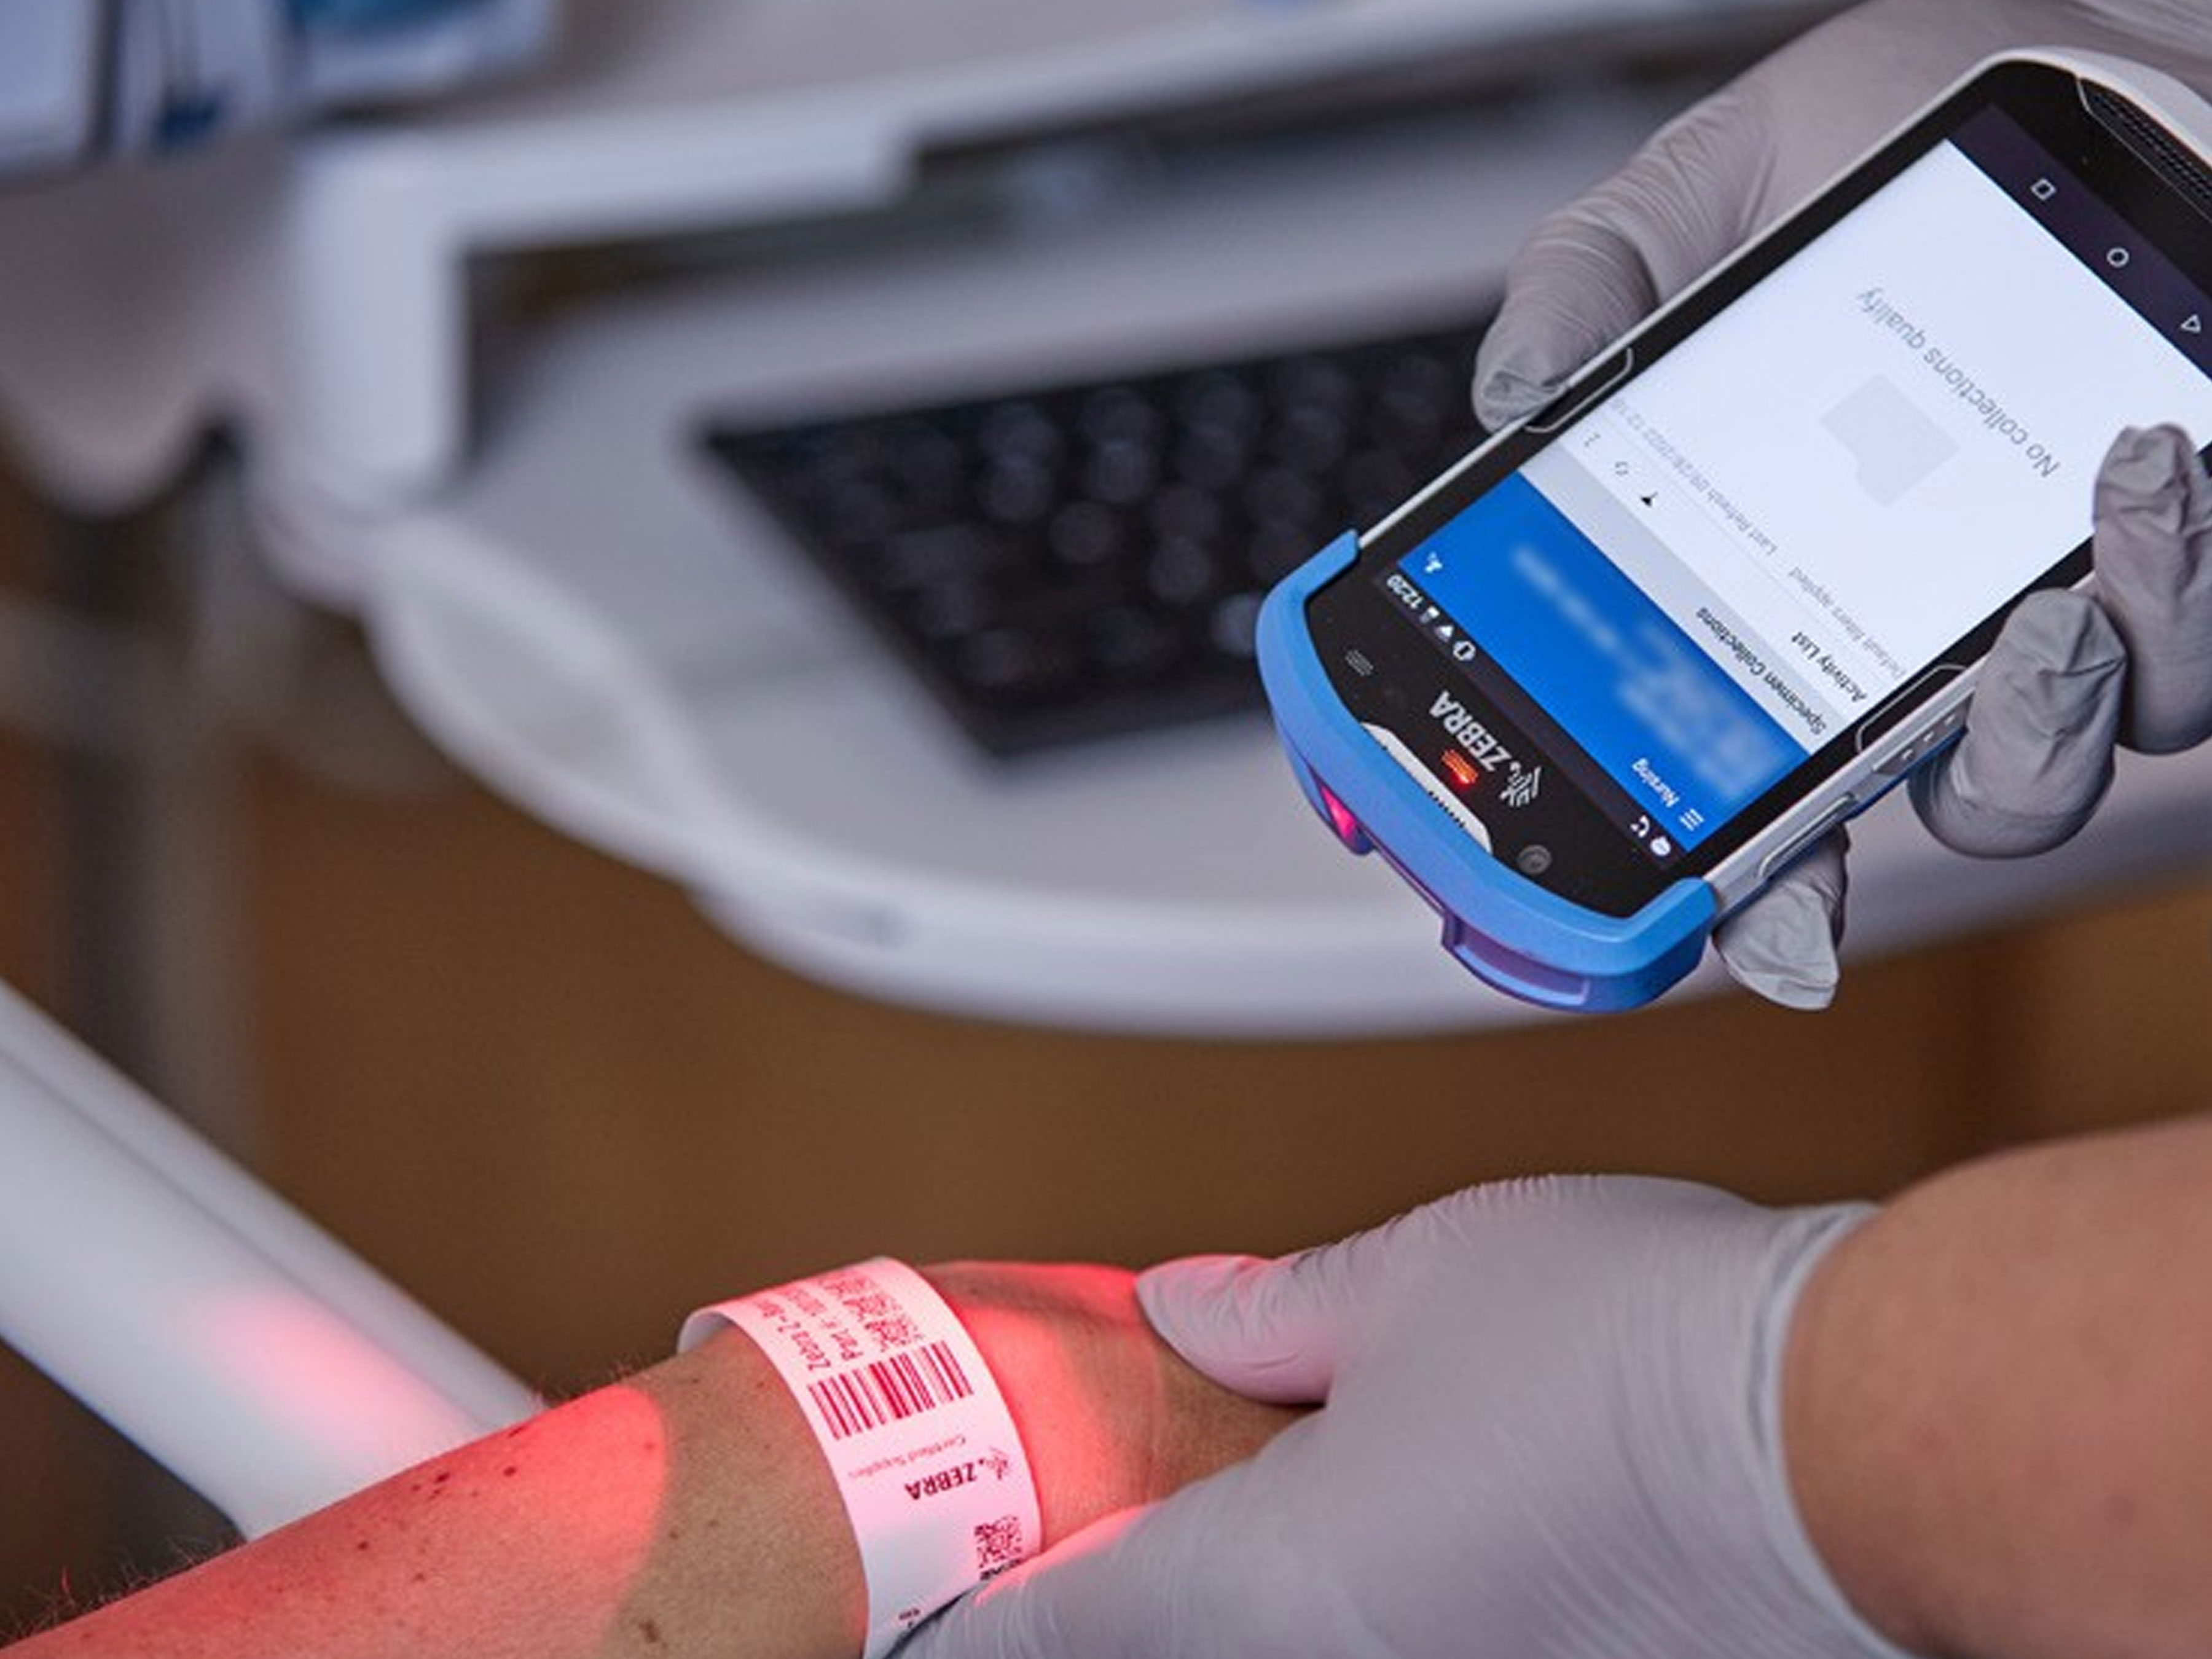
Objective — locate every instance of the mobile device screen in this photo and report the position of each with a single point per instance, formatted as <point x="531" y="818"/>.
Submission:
<point x="1646" y="637"/>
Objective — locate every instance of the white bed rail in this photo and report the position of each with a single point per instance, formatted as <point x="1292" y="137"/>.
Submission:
<point x="238" y="1343"/>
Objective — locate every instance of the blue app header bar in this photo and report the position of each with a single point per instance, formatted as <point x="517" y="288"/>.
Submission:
<point x="1656" y="715"/>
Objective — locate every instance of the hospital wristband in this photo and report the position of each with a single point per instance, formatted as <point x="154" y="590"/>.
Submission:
<point x="911" y="1422"/>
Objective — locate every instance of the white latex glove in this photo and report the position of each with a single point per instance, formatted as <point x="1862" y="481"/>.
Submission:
<point x="2067" y="677"/>
<point x="1550" y="1432"/>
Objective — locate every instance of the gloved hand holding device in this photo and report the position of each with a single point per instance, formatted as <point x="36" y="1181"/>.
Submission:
<point x="2070" y="676"/>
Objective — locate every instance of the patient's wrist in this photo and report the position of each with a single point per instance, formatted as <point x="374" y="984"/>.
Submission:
<point x="971" y="1415"/>
<point x="1110" y="1416"/>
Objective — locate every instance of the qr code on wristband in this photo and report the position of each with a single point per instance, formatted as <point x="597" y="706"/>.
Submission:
<point x="998" y="1546"/>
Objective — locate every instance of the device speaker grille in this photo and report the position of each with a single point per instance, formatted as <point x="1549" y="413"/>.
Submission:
<point x="2177" y="165"/>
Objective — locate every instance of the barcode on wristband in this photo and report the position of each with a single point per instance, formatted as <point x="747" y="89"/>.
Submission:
<point x="889" y="1390"/>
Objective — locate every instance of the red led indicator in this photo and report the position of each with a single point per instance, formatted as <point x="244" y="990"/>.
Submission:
<point x="1340" y="816"/>
<point x="1463" y="771"/>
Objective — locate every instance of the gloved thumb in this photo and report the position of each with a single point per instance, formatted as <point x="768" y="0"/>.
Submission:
<point x="1268" y="1330"/>
<point x="2155" y="576"/>
<point x="1782" y="944"/>
<point x="2036" y="756"/>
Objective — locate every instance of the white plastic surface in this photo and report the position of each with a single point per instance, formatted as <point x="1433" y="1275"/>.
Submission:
<point x="316" y="293"/>
<point x="241" y="1347"/>
<point x="597" y="623"/>
<point x="49" y="91"/>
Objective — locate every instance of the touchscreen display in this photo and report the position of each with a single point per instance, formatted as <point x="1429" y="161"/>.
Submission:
<point x="1718" y="571"/>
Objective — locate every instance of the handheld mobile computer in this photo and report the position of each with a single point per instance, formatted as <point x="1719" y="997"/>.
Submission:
<point x="1594" y="686"/>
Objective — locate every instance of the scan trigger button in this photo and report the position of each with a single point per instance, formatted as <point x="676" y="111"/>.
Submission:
<point x="1780" y="859"/>
<point x="1584" y="390"/>
<point x="1912" y="753"/>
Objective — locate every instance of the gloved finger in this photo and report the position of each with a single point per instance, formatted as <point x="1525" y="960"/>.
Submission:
<point x="1188" y="1575"/>
<point x="1782" y="944"/>
<point x="1733" y="164"/>
<point x="2153" y="554"/>
<point x="1278" y="1330"/>
<point x="2036" y="756"/>
<point x="1244" y="1322"/>
<point x="1592" y="270"/>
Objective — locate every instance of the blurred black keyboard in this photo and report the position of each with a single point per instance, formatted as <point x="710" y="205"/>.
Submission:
<point x="1088" y="560"/>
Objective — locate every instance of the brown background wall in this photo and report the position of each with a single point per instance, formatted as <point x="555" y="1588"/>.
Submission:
<point x="542" y="1093"/>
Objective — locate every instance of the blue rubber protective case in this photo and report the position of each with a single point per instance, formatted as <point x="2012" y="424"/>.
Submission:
<point x="1510" y="932"/>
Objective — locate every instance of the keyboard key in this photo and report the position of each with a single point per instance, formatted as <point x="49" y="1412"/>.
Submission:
<point x="1084" y="533"/>
<point x="1128" y="642"/>
<point x="1183" y="571"/>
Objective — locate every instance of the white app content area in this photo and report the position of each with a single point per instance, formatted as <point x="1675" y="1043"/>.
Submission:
<point x="1878" y="445"/>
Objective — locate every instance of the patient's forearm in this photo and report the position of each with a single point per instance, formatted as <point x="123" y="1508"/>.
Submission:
<point x="685" y="1510"/>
